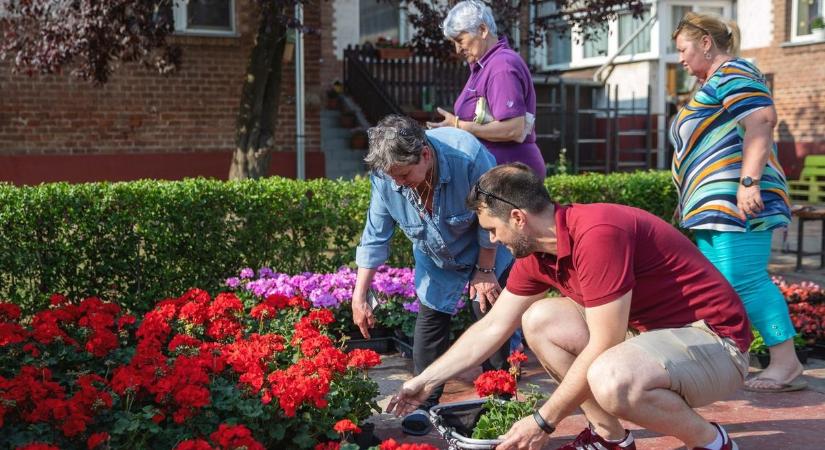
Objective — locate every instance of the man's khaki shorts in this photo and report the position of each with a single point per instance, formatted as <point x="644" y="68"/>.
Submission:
<point x="703" y="366"/>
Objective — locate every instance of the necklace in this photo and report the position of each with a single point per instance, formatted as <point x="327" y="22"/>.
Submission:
<point x="429" y="179"/>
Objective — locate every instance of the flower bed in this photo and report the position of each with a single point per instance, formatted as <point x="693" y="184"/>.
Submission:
<point x="806" y="304"/>
<point x="394" y="288"/>
<point x="194" y="373"/>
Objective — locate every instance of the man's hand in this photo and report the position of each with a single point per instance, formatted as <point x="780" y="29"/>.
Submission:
<point x="486" y="287"/>
<point x="749" y="201"/>
<point x="524" y="434"/>
<point x="409" y="397"/>
<point x="362" y="316"/>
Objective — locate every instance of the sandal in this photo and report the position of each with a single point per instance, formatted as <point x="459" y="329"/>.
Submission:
<point x="774" y="386"/>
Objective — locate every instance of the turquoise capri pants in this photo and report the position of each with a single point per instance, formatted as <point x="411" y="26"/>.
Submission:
<point x="743" y="260"/>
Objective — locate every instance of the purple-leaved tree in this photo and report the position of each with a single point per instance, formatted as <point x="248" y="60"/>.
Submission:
<point x="92" y="38"/>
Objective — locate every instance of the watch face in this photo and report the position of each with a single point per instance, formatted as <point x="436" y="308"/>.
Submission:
<point x="747" y="181"/>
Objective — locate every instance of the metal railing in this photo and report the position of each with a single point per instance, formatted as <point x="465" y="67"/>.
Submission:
<point x="413" y="82"/>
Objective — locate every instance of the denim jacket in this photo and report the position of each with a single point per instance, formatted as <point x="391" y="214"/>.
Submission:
<point x="445" y="244"/>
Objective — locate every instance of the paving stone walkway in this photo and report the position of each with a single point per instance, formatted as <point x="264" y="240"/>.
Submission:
<point x="793" y="420"/>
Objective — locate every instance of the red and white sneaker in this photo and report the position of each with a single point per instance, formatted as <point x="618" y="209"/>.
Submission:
<point x="589" y="440"/>
<point x="727" y="442"/>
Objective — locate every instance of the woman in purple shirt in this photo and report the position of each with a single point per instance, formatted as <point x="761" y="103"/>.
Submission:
<point x="498" y="103"/>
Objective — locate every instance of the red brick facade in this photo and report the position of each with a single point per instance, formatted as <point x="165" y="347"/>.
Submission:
<point x="798" y="90"/>
<point x="139" y="112"/>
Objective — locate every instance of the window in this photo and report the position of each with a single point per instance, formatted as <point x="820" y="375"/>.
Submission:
<point x="559" y="48"/>
<point x="205" y="17"/>
<point x="677" y="13"/>
<point x="596" y="44"/>
<point x="627" y="26"/>
<point x="378" y="19"/>
<point x="804" y="12"/>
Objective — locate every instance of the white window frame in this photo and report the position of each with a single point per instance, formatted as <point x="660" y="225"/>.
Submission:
<point x="180" y="15"/>
<point x="794" y="19"/>
<point x="577" y="59"/>
<point x="665" y="20"/>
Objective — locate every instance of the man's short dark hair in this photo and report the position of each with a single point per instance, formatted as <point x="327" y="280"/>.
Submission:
<point x="506" y="187"/>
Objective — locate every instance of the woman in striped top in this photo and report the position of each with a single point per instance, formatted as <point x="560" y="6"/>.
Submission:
<point x="732" y="190"/>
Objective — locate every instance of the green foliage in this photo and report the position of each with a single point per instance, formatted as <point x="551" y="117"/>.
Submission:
<point x="500" y="415"/>
<point x="758" y="345"/>
<point x="652" y="191"/>
<point x="144" y="240"/>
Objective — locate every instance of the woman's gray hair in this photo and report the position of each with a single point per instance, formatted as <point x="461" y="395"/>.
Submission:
<point x="467" y="17"/>
<point x="395" y="141"/>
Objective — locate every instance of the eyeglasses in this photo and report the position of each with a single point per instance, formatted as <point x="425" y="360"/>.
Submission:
<point x="684" y="23"/>
<point x="478" y="190"/>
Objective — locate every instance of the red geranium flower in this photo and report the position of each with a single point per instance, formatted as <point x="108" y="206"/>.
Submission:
<point x="331" y="445"/>
<point x="346" y="426"/>
<point x="194" y="444"/>
<point x="38" y="446"/>
<point x="390" y="444"/>
<point x="230" y="437"/>
<point x="96" y="439"/>
<point x="517" y="358"/>
<point x="363" y="358"/>
<point x="495" y="382"/>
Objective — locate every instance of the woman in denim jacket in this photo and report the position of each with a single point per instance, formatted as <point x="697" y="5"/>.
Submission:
<point x="420" y="182"/>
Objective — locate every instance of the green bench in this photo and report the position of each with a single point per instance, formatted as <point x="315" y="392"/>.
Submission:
<point x="810" y="187"/>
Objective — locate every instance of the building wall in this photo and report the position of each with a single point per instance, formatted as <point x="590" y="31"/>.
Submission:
<point x="798" y="79"/>
<point x="189" y="112"/>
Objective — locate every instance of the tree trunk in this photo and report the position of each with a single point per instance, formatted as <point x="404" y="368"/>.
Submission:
<point x="260" y="98"/>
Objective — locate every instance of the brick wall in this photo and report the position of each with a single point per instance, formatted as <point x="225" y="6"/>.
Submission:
<point x="798" y="90"/>
<point x="331" y="67"/>
<point x="138" y="111"/>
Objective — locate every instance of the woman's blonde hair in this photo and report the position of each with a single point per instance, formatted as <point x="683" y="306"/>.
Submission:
<point x="724" y="33"/>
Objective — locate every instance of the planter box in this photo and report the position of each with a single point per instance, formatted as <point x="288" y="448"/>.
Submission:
<point x="456" y="421"/>
<point x="394" y="53"/>
<point x="817" y="350"/>
<point x="378" y="344"/>
<point x="403" y="347"/>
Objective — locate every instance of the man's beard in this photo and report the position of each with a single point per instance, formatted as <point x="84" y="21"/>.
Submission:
<point x="523" y="246"/>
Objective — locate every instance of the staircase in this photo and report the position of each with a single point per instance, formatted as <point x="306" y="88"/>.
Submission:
<point x="342" y="161"/>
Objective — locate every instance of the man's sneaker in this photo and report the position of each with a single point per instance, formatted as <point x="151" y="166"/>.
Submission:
<point x="727" y="442"/>
<point x="588" y="439"/>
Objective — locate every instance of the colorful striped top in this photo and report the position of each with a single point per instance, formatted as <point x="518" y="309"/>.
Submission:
<point x="707" y="160"/>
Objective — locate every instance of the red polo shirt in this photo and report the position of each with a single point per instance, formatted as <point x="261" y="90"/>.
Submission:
<point x="605" y="250"/>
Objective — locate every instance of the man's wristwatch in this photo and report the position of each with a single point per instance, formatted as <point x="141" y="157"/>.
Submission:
<point x="546" y="427"/>
<point x="748" y="181"/>
<point x="484" y="270"/>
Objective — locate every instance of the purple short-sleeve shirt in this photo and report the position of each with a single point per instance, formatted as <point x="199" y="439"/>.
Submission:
<point x="502" y="77"/>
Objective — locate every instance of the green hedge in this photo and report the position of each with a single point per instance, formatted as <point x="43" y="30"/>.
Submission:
<point x="141" y="241"/>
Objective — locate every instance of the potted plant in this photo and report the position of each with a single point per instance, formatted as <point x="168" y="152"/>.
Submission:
<point x="332" y="99"/>
<point x="391" y="49"/>
<point x="818" y="28"/>
<point x="476" y="424"/>
<point x="760" y="351"/>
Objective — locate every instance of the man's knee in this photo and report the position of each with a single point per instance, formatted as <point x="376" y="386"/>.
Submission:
<point x="556" y="319"/>
<point x="613" y="384"/>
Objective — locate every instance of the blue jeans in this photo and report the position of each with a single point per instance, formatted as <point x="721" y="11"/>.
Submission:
<point x="743" y="260"/>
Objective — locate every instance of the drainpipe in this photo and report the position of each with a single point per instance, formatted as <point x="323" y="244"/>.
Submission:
<point x="300" y="137"/>
<point x="597" y="75"/>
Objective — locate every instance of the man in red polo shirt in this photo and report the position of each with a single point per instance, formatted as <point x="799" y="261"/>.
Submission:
<point x="646" y="328"/>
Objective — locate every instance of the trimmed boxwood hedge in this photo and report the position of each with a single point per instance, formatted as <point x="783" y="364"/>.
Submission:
<point x="145" y="240"/>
